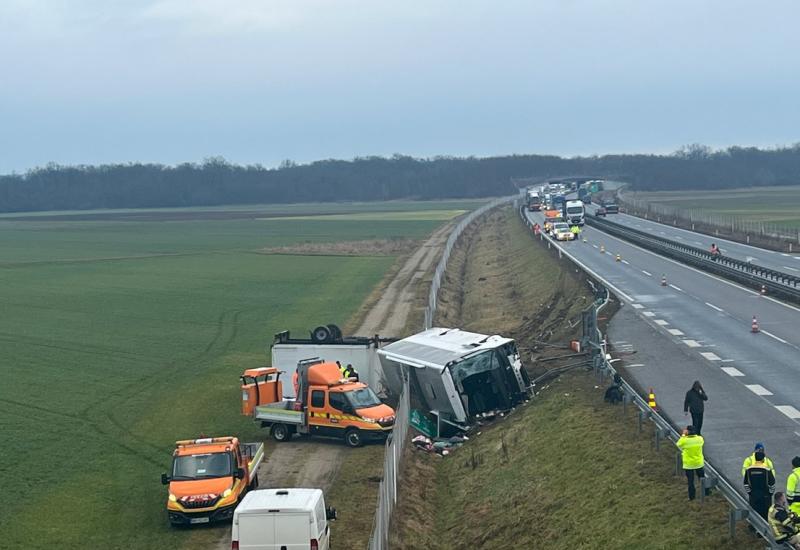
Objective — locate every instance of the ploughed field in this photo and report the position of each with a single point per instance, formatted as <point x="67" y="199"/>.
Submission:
<point x="775" y="205"/>
<point x="122" y="334"/>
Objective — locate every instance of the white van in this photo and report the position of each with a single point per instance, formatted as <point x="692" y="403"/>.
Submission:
<point x="282" y="519"/>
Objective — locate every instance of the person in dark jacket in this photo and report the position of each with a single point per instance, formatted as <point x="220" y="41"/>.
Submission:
<point x="759" y="482"/>
<point x="694" y="404"/>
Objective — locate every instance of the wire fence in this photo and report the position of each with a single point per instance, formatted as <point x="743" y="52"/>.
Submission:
<point x="758" y="233"/>
<point x="664" y="431"/>
<point x="387" y="491"/>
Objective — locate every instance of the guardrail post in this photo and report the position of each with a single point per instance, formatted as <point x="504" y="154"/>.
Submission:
<point x="624" y="404"/>
<point x="641" y="420"/>
<point x="678" y="463"/>
<point x="658" y="439"/>
<point x="735" y="515"/>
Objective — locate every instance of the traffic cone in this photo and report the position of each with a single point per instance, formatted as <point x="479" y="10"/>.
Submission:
<point x="754" y="326"/>
<point x="763" y="290"/>
<point x="619" y="258"/>
<point x="651" y="399"/>
<point x="663" y="279"/>
<point x="602" y="248"/>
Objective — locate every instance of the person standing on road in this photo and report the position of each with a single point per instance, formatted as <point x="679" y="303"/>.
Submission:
<point x="691" y="446"/>
<point x="752" y="458"/>
<point x="793" y="486"/>
<point x="759" y="482"/>
<point x="694" y="404"/>
<point x="783" y="522"/>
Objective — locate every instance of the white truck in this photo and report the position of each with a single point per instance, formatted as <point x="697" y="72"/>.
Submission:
<point x="574" y="213"/>
<point x="282" y="519"/>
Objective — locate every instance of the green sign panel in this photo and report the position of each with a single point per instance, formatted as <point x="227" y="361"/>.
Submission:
<point x="422" y="423"/>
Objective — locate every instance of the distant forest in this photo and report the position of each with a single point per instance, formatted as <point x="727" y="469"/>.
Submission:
<point x="216" y="182"/>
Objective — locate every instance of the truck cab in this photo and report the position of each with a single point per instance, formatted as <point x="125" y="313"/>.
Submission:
<point x="326" y="405"/>
<point x="208" y="478"/>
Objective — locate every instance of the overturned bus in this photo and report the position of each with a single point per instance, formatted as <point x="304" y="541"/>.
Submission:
<point x="458" y="374"/>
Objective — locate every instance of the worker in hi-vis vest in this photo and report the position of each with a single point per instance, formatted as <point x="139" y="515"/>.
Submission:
<point x="691" y="446"/>
<point x="793" y="486"/>
<point x="752" y="458"/>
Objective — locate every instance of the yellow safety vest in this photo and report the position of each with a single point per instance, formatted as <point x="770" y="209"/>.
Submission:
<point x="780" y="529"/>
<point x="750" y="460"/>
<point x="691" y="447"/>
<point x="793" y="490"/>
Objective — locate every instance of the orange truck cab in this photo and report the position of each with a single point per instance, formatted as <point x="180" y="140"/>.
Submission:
<point x="209" y="477"/>
<point x="327" y="405"/>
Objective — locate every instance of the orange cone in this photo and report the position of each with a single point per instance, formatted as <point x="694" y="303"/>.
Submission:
<point x="619" y="258"/>
<point x="663" y="280"/>
<point x="754" y="326"/>
<point x="602" y="248"/>
<point x="651" y="399"/>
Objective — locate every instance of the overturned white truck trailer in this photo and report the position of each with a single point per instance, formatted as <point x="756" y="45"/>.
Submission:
<point x="327" y="342"/>
<point x="457" y="374"/>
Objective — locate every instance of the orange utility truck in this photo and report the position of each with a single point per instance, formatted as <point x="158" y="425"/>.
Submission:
<point x="209" y="477"/>
<point x="326" y="404"/>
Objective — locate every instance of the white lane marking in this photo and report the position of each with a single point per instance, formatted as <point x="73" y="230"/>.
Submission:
<point x="791" y="268"/>
<point x="789" y="411"/>
<point x="727" y="360"/>
<point x="711" y="356"/>
<point x="785" y="254"/>
<point x="675" y="332"/>
<point x="678" y="237"/>
<point x="698" y="242"/>
<point x="634" y="365"/>
<point x="732" y="371"/>
<point x="594" y="245"/>
<point x="758" y="389"/>
<point x="712" y="306"/>
<point x="648" y="314"/>
<point x="781" y="340"/>
<point x="661" y="322"/>
<point x="626" y="262"/>
<point x="692" y="343"/>
<point x="676" y="288"/>
<point x="647" y="273"/>
<point x="637" y="306"/>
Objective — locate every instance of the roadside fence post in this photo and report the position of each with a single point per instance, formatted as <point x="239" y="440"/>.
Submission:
<point x="641" y="420"/>
<point x="678" y="463"/>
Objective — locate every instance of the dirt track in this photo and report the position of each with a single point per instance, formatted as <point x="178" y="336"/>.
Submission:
<point x="314" y="462"/>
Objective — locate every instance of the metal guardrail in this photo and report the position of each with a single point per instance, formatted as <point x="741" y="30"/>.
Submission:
<point x="774" y="282"/>
<point x="387" y="490"/>
<point x="664" y="430"/>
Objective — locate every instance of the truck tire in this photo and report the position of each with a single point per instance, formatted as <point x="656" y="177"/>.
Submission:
<point x="321" y="334"/>
<point x="336" y="333"/>
<point x="280" y="432"/>
<point x="352" y="438"/>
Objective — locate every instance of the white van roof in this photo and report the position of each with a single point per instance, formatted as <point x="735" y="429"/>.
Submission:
<point x="279" y="500"/>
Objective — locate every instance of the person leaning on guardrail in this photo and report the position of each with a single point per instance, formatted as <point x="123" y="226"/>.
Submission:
<point x="759" y="482"/>
<point x="783" y="522"/>
<point x="691" y="446"/>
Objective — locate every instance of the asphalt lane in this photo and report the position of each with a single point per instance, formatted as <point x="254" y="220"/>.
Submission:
<point x="779" y="261"/>
<point x="754" y="377"/>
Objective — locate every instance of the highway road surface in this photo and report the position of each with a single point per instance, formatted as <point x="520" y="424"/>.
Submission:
<point x="698" y="327"/>
<point x="779" y="261"/>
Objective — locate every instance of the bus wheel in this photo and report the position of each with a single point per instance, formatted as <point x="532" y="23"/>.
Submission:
<point x="352" y="437"/>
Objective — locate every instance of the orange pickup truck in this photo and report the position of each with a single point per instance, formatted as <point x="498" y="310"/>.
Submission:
<point x="326" y="404"/>
<point x="209" y="477"/>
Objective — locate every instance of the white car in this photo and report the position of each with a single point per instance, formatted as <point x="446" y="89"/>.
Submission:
<point x="562" y="232"/>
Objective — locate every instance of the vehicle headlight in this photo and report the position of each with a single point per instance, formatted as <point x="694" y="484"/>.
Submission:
<point x="370" y="420"/>
<point x="227" y="493"/>
<point x="173" y="498"/>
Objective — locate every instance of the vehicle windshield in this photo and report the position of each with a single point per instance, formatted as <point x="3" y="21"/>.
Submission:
<point x="561" y="226"/>
<point x="362" y="398"/>
<point x="574" y="210"/>
<point x="202" y="466"/>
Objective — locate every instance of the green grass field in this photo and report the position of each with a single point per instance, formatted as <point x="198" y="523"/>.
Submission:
<point x="779" y="205"/>
<point x="121" y="337"/>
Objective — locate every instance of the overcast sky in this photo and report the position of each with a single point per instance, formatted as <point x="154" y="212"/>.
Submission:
<point x="259" y="81"/>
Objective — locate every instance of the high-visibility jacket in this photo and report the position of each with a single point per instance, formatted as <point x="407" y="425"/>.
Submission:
<point x="793" y="490"/>
<point x="691" y="447"/>
<point x="347" y="371"/>
<point x="759" y="479"/>
<point x="782" y="522"/>
<point x="750" y="460"/>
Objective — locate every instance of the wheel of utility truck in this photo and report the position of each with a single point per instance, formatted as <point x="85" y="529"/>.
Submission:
<point x="321" y="334"/>
<point x="280" y="432"/>
<point x="353" y="438"/>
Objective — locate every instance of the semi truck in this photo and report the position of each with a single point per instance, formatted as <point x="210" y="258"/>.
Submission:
<point x="326" y="404"/>
<point x="574" y="213"/>
<point x="209" y="477"/>
<point x="534" y="201"/>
